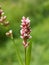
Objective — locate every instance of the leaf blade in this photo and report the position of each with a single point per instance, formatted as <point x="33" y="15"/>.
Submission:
<point x="28" y="55"/>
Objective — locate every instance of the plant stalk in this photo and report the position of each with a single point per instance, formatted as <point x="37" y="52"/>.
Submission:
<point x="17" y="52"/>
<point x="25" y="55"/>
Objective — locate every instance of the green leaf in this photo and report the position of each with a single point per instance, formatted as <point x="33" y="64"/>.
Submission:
<point x="28" y="55"/>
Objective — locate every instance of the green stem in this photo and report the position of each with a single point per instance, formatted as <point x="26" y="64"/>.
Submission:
<point x="25" y="56"/>
<point x="17" y="52"/>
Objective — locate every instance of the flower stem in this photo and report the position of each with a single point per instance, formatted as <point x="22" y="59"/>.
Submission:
<point x="17" y="52"/>
<point x="25" y="55"/>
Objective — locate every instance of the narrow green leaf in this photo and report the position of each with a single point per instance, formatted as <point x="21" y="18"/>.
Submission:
<point x="28" y="56"/>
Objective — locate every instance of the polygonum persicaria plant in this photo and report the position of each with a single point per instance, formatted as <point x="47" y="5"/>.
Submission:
<point x="25" y="30"/>
<point x="3" y="18"/>
<point x="25" y="33"/>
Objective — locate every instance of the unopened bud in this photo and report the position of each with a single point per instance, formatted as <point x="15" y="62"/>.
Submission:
<point x="4" y="18"/>
<point x="6" y="23"/>
<point x="25" y="44"/>
<point x="2" y="13"/>
<point x="9" y="33"/>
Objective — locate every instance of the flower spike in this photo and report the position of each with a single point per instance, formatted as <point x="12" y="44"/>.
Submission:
<point x="3" y="18"/>
<point x="25" y="30"/>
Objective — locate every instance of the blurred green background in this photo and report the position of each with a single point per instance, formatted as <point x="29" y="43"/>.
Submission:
<point x="38" y="11"/>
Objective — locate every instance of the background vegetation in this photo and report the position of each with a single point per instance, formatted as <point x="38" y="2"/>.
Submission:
<point x="38" y="11"/>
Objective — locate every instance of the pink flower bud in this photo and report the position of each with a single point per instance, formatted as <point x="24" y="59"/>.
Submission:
<point x="25" y="44"/>
<point x="1" y="11"/>
<point x="1" y="20"/>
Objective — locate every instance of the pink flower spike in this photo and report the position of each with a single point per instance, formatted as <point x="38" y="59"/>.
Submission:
<point x="25" y="30"/>
<point x="3" y="18"/>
